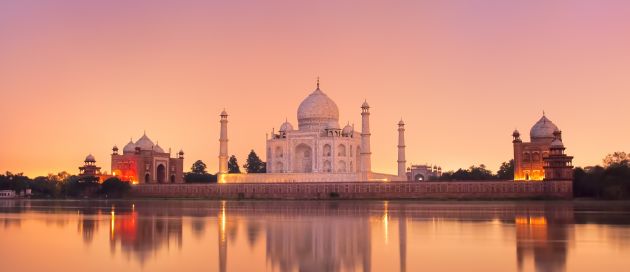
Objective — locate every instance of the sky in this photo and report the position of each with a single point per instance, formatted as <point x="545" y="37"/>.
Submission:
<point x="80" y="76"/>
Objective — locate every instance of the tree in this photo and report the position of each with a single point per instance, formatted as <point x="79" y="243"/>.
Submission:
<point x="114" y="187"/>
<point x="199" y="167"/>
<point x="506" y="171"/>
<point x="472" y="173"/>
<point x="233" y="166"/>
<point x="254" y="164"/>
<point x="617" y="158"/>
<point x="199" y="178"/>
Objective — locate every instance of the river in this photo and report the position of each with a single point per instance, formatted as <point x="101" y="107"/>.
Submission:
<point x="200" y="235"/>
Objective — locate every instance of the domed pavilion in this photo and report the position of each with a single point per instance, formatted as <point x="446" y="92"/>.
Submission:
<point x="143" y="161"/>
<point x="529" y="157"/>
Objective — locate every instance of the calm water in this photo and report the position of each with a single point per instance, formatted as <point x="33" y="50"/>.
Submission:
<point x="313" y="236"/>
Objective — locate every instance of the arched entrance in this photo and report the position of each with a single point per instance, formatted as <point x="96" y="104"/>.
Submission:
<point x="418" y="177"/>
<point x="161" y="173"/>
<point x="147" y="178"/>
<point x="172" y="178"/>
<point x="303" y="159"/>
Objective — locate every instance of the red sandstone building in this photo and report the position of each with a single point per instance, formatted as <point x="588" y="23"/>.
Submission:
<point x="543" y="157"/>
<point x="145" y="162"/>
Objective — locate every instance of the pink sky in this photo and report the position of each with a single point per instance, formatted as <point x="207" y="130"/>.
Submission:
<point x="77" y="77"/>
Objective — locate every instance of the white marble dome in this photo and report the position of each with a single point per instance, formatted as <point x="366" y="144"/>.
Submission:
<point x="286" y="126"/>
<point x="347" y="130"/>
<point x="144" y="143"/>
<point x="317" y="111"/>
<point x="544" y="128"/>
<point x="332" y="125"/>
<point x="129" y="147"/>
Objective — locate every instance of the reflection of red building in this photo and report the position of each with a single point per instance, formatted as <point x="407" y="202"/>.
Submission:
<point x="145" y="162"/>
<point x="142" y="236"/>
<point x="543" y="237"/>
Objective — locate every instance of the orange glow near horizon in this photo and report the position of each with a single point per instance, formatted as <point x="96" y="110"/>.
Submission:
<point x="78" y="77"/>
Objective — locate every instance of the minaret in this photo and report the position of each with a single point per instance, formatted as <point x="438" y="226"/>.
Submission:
<point x="402" y="170"/>
<point x="366" y="154"/>
<point x="223" y="145"/>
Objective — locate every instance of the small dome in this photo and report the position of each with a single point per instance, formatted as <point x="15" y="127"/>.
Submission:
<point x="144" y="143"/>
<point x="224" y="113"/>
<point x="401" y="123"/>
<point x="129" y="147"/>
<point x="544" y="128"/>
<point x="181" y="152"/>
<point x="115" y="148"/>
<point x="317" y="110"/>
<point x="286" y="126"/>
<point x="365" y="104"/>
<point x="557" y="143"/>
<point x="347" y="130"/>
<point x="516" y="133"/>
<point x="90" y="158"/>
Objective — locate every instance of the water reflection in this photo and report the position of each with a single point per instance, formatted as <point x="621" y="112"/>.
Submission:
<point x="140" y="236"/>
<point x="327" y="236"/>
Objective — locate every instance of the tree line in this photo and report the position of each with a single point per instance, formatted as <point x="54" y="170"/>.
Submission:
<point x="199" y="174"/>
<point x="610" y="181"/>
<point x="64" y="185"/>
<point x="506" y="172"/>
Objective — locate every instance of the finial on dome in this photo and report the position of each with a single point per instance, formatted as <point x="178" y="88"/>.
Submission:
<point x="318" y="82"/>
<point x="543" y="112"/>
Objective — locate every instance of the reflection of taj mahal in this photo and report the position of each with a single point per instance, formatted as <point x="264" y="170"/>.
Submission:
<point x="318" y="150"/>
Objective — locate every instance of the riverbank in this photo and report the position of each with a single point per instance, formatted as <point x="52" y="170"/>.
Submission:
<point x="486" y="190"/>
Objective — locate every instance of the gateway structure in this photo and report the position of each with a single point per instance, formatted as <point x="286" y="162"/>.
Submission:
<point x="319" y="150"/>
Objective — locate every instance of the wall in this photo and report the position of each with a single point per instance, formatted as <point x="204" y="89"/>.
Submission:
<point x="363" y="190"/>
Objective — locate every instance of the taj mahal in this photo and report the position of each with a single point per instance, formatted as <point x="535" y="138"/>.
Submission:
<point x="319" y="150"/>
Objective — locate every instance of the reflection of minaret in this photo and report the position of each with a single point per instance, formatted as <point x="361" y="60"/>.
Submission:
<point x="222" y="240"/>
<point x="402" y="239"/>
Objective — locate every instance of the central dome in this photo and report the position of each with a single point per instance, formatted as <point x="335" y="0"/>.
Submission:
<point x="317" y="112"/>
<point x="543" y="129"/>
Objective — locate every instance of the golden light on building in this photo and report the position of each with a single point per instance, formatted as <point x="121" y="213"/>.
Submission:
<point x="531" y="220"/>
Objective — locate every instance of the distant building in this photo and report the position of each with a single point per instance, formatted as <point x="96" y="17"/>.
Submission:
<point x="89" y="171"/>
<point x="7" y="194"/>
<point x="530" y="158"/>
<point x="558" y="166"/>
<point x="145" y="162"/>
<point x="423" y="172"/>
